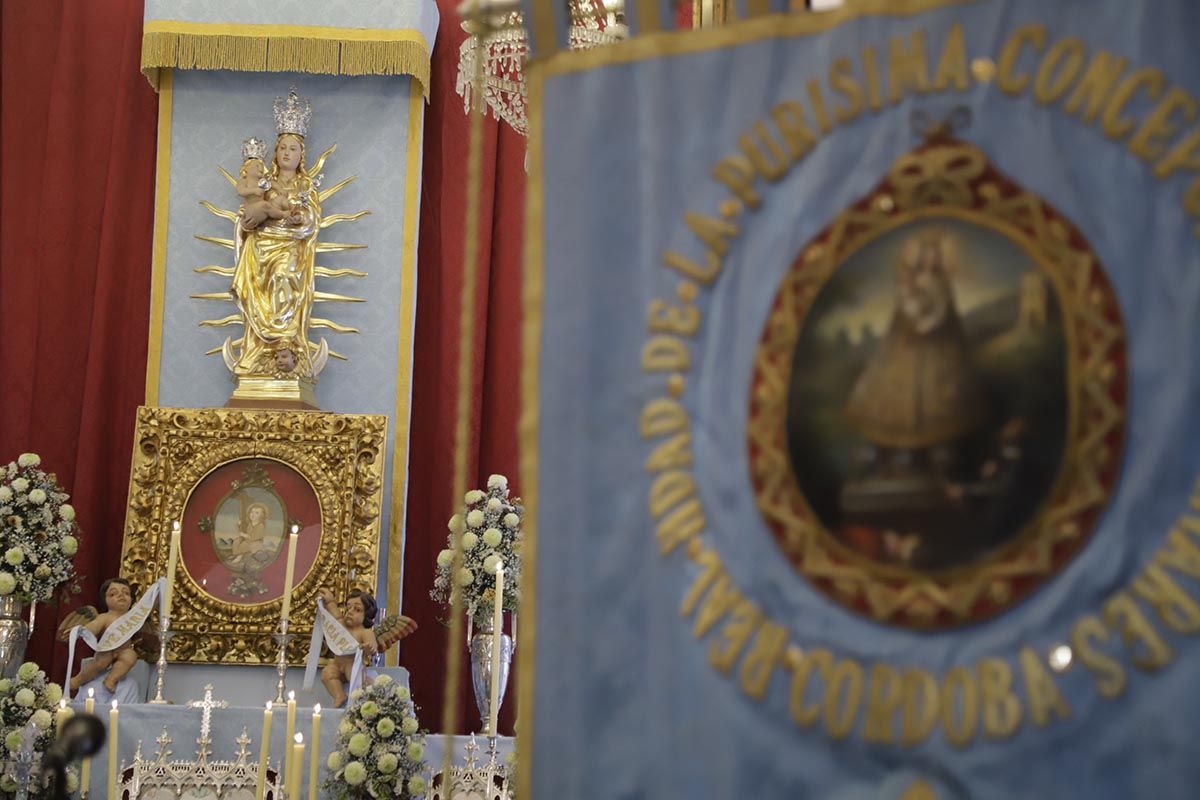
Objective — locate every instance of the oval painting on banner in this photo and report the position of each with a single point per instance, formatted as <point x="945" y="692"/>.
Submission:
<point x="943" y="373"/>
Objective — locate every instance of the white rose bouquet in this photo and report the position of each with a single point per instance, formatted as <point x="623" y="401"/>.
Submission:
<point x="489" y="533"/>
<point x="28" y="700"/>
<point x="380" y="746"/>
<point x="38" y="532"/>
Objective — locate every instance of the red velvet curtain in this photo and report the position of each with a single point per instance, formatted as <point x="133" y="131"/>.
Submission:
<point x="494" y="356"/>
<point x="79" y="125"/>
<point x="76" y="211"/>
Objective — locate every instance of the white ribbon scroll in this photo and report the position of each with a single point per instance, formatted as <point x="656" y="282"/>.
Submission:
<point x="119" y="631"/>
<point x="341" y="643"/>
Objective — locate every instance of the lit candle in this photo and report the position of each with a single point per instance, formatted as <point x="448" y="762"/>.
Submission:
<point x="264" y="750"/>
<point x="112" y="750"/>
<point x="296" y="767"/>
<point x="172" y="562"/>
<point x="288" y="577"/>
<point x="313" y="767"/>
<point x="497" y="630"/>
<point x="85" y="772"/>
<point x="61" y="716"/>
<point x="291" y="730"/>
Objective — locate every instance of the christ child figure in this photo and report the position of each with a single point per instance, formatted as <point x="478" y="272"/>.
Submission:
<point x="253" y="187"/>
<point x="249" y="543"/>
<point x="358" y="618"/>
<point x="117" y="597"/>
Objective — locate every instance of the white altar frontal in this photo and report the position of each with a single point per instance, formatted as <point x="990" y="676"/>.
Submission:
<point x="208" y="747"/>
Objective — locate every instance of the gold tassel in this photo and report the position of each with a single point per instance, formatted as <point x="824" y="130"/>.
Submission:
<point x="283" y="54"/>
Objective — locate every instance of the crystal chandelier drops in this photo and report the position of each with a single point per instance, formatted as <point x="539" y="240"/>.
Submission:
<point x="501" y="42"/>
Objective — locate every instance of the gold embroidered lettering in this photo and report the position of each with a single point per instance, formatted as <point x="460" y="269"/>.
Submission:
<point x="1107" y="672"/>
<point x="906" y="66"/>
<point x="1044" y="697"/>
<point x="1033" y="35"/>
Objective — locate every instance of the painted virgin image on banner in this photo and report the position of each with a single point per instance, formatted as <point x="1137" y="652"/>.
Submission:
<point x="928" y="401"/>
<point x="937" y="416"/>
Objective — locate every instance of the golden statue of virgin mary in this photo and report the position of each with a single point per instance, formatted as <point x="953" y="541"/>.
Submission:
<point x="274" y="276"/>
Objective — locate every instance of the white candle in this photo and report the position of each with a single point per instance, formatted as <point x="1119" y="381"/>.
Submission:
<point x="63" y="714"/>
<point x="172" y="562"/>
<point x="296" y="767"/>
<point x="112" y="750"/>
<point x="260" y="781"/>
<point x="291" y="729"/>
<point x="497" y="630"/>
<point x="314" y="766"/>
<point x="85" y="773"/>
<point x="288" y="578"/>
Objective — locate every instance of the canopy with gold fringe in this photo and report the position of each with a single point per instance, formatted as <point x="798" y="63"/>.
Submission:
<point x="350" y="37"/>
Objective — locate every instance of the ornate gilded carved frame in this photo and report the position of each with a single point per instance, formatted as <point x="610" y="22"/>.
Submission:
<point x="340" y="456"/>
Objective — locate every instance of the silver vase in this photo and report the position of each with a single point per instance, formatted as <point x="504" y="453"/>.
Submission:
<point x="14" y="635"/>
<point x="481" y="668"/>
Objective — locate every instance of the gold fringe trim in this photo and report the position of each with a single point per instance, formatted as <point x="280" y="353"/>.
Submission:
<point x="405" y="54"/>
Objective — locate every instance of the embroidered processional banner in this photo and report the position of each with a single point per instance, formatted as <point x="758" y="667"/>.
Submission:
<point x="861" y="372"/>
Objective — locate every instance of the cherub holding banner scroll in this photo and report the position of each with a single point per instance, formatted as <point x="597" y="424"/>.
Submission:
<point x="350" y="638"/>
<point x="117" y="596"/>
<point x="358" y="619"/>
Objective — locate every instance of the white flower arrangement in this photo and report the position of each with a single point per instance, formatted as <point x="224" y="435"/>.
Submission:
<point x="38" y="532"/>
<point x="488" y="532"/>
<point x="380" y="748"/>
<point x="28" y="704"/>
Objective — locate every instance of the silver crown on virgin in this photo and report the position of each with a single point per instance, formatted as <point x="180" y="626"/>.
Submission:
<point x="292" y="114"/>
<point x="254" y="148"/>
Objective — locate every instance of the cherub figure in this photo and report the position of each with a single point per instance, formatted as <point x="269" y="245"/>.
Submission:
<point x="285" y="360"/>
<point x="117" y="596"/>
<point x="254" y="186"/>
<point x="358" y="619"/>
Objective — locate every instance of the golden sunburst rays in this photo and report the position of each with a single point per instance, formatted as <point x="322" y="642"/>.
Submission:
<point x="330" y="297"/>
<point x="320" y="271"/>
<point x="223" y="213"/>
<point x="319" y="164"/>
<point x="232" y="319"/>
<point x="331" y="272"/>
<point x="325" y="194"/>
<point x="337" y="247"/>
<point x="226" y="243"/>
<point x="334" y="219"/>
<point x="318" y="322"/>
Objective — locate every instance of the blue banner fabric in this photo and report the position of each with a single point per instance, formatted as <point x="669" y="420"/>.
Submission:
<point x="860" y="376"/>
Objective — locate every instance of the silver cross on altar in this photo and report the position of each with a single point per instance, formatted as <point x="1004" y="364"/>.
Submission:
<point x="208" y="704"/>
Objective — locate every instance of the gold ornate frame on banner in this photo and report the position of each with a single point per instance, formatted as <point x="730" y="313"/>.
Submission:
<point x="945" y="180"/>
<point x="238" y="481"/>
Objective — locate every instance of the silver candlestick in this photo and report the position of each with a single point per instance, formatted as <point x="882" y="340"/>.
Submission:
<point x="164" y="636"/>
<point x="492" y="766"/>
<point x="282" y="640"/>
<point x="24" y="762"/>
